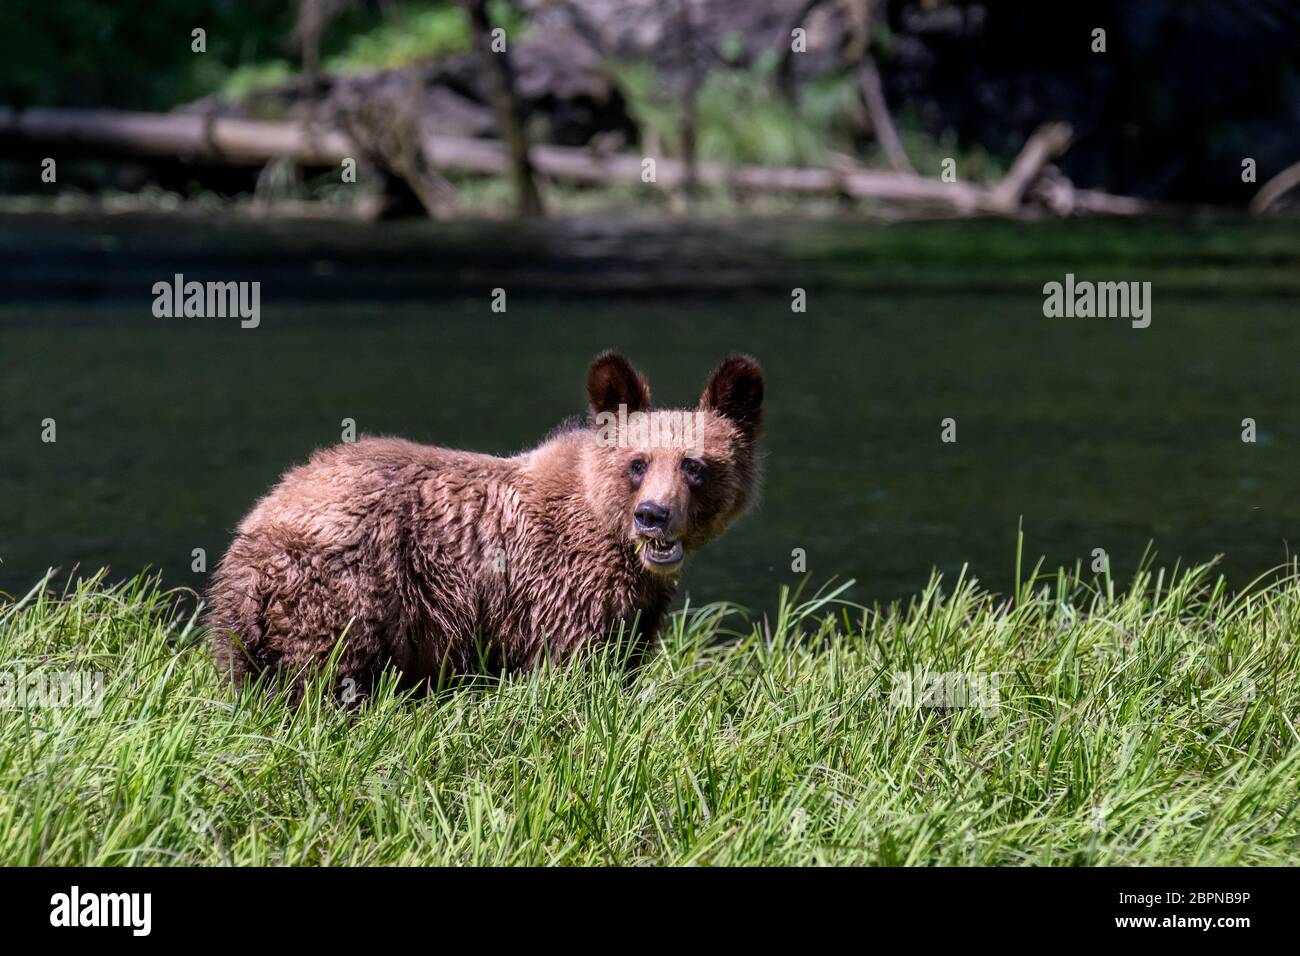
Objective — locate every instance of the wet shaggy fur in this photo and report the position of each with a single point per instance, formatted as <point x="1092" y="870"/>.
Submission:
<point x="436" y="561"/>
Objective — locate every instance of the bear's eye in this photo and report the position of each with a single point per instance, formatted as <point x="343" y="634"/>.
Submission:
<point x="693" y="469"/>
<point x="636" y="469"/>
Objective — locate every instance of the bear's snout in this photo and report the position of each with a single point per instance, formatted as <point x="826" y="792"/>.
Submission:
<point x="650" y="517"/>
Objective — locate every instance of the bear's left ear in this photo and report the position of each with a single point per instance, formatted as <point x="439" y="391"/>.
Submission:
<point x="736" y="392"/>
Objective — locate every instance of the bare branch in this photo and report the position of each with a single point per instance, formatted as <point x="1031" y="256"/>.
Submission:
<point x="1046" y="143"/>
<point x="1273" y="190"/>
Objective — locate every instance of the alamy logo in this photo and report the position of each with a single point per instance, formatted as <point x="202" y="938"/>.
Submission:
<point x="945" y="690"/>
<point x="208" y="300"/>
<point x="75" y="908"/>
<point x="51" y="690"/>
<point x="669" y="429"/>
<point x="1102" y="300"/>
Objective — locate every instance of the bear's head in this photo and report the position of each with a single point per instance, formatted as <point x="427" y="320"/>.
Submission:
<point x="672" y="479"/>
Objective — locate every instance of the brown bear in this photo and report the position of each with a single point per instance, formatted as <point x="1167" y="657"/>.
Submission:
<point x="436" y="561"/>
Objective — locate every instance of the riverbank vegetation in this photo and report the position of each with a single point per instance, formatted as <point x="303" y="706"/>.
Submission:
<point x="1075" y="722"/>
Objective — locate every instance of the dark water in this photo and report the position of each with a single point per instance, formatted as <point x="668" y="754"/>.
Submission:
<point x="1097" y="435"/>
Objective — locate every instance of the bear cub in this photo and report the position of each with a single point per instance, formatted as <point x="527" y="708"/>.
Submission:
<point x="433" y="561"/>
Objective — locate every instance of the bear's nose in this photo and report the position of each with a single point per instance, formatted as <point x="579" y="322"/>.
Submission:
<point x="650" y="516"/>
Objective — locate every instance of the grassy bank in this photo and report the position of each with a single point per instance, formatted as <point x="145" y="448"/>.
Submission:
<point x="1153" y="726"/>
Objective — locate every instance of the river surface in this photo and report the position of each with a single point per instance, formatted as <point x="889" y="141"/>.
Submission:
<point x="1089" y="433"/>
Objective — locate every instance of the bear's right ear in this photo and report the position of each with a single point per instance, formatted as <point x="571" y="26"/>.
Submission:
<point x="612" y="381"/>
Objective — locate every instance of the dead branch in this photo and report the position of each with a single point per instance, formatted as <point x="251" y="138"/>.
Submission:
<point x="863" y="14"/>
<point x="1272" y="191"/>
<point x="882" y="123"/>
<point x="1046" y="143"/>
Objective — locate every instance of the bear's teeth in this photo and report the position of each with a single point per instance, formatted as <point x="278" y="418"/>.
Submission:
<point x="665" y="552"/>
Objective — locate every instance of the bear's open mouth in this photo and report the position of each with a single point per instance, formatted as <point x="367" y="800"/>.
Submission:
<point x="661" y="552"/>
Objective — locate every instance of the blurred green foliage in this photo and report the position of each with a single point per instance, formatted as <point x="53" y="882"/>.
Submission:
<point x="741" y="119"/>
<point x="413" y="33"/>
<point x="136" y="54"/>
<point x="131" y="54"/>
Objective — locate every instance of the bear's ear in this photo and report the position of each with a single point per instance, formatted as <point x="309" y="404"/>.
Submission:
<point x="612" y="381"/>
<point x="736" y="392"/>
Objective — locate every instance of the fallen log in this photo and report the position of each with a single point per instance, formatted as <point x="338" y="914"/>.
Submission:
<point x="253" y="142"/>
<point x="185" y="135"/>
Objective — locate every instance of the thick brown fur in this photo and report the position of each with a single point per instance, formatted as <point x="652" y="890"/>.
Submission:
<point x="432" y="561"/>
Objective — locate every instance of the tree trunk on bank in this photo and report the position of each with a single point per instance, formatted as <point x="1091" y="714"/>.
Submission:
<point x="505" y="101"/>
<point x="690" y="96"/>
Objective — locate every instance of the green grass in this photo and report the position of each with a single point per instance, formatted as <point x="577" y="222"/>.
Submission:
<point x="1151" y="726"/>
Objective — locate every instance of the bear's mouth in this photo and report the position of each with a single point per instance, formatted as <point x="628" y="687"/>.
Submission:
<point x="661" y="553"/>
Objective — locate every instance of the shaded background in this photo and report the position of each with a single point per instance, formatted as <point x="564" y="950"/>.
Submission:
<point x="1184" y="90"/>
